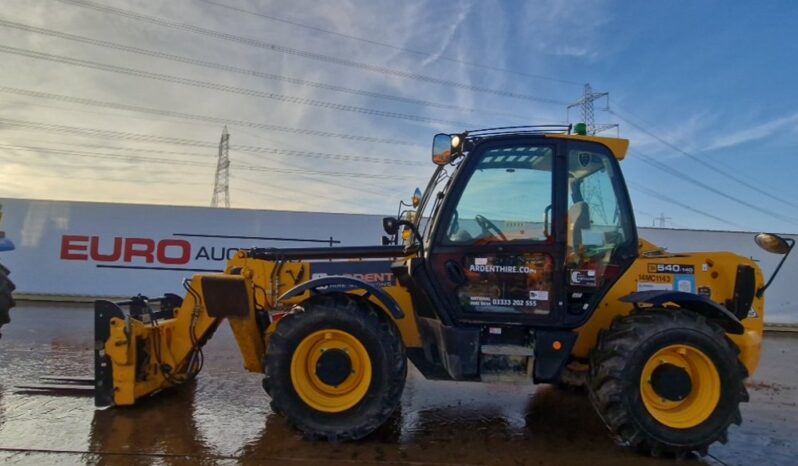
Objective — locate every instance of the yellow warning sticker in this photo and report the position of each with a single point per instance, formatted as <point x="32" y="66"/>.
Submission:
<point x="655" y="278"/>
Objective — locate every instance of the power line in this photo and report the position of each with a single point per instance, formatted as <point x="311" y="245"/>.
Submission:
<point x="148" y="179"/>
<point x="223" y="87"/>
<point x="683" y="176"/>
<point x="64" y="129"/>
<point x="287" y="163"/>
<point x="648" y="124"/>
<point x="106" y="179"/>
<point x="393" y="47"/>
<point x="305" y="190"/>
<point x="670" y="200"/>
<point x="303" y="53"/>
<point x="209" y="119"/>
<point x="247" y="72"/>
<point x="702" y="162"/>
<point x="258" y="168"/>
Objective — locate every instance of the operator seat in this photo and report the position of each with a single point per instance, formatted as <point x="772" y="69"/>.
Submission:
<point x="462" y="236"/>
<point x="578" y="220"/>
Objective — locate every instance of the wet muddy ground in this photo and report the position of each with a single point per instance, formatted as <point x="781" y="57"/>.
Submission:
<point x="224" y="417"/>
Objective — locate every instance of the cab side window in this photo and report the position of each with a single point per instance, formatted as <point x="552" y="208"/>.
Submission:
<point x="596" y="222"/>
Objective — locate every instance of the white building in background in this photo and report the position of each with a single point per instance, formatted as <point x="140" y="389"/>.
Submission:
<point x="112" y="250"/>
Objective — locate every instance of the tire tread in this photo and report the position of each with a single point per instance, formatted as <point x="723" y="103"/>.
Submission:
<point x="369" y="319"/>
<point x="607" y="384"/>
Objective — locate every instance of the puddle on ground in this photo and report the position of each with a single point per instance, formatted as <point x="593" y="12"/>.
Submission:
<point x="224" y="416"/>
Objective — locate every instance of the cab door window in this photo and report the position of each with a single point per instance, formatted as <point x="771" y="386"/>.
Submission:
<point x="507" y="198"/>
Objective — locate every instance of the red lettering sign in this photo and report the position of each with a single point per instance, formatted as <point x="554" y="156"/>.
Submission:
<point x="99" y="257"/>
<point x="166" y="251"/>
<point x="71" y="247"/>
<point x="181" y="244"/>
<point x="139" y="247"/>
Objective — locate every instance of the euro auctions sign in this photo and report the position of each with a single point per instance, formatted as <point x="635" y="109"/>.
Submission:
<point x="101" y="249"/>
<point x="158" y="252"/>
<point x="125" y="250"/>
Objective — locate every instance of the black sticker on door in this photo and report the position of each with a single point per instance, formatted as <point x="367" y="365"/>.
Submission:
<point x="518" y="284"/>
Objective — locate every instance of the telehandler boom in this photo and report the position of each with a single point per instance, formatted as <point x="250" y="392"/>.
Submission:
<point x="519" y="262"/>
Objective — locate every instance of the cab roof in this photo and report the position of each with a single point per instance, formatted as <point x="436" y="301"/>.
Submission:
<point x="617" y="146"/>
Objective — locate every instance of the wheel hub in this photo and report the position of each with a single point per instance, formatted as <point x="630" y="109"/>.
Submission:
<point x="680" y="386"/>
<point x="331" y="370"/>
<point x="333" y="367"/>
<point x="671" y="382"/>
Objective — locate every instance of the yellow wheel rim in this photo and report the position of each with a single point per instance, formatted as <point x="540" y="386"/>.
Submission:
<point x="326" y="389"/>
<point x="681" y="412"/>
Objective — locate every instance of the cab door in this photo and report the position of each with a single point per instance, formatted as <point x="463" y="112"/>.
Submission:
<point x="498" y="246"/>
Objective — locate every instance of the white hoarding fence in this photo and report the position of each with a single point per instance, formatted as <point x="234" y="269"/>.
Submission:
<point x="101" y="249"/>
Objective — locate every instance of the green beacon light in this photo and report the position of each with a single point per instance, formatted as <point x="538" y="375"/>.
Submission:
<point x="580" y="129"/>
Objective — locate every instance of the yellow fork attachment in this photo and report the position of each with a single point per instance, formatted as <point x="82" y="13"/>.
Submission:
<point x="146" y="350"/>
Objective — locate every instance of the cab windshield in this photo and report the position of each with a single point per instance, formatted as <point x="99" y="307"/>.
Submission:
<point x="507" y="198"/>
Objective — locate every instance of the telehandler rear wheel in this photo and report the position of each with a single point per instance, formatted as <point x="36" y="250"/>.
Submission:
<point x="335" y="370"/>
<point x="667" y="382"/>
<point x="6" y="300"/>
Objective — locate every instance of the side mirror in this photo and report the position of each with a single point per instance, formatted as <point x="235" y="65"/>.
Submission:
<point x="777" y="245"/>
<point x="390" y="225"/>
<point x="444" y="147"/>
<point x="416" y="197"/>
<point x="772" y="243"/>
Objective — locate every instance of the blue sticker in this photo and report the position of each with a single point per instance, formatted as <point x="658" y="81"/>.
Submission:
<point x="684" y="283"/>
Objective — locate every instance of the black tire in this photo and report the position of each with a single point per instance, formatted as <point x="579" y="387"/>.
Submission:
<point x="615" y="374"/>
<point x="574" y="378"/>
<point x="6" y="299"/>
<point x="386" y="352"/>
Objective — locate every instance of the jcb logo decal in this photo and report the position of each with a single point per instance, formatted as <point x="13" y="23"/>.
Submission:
<point x="671" y="268"/>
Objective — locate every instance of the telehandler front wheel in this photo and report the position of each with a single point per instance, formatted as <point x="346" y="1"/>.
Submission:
<point x="335" y="369"/>
<point x="6" y="300"/>
<point x="667" y="382"/>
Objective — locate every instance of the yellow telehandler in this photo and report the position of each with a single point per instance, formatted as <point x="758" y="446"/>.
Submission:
<point x="518" y="262"/>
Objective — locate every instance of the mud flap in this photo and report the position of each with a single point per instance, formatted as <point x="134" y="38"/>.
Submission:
<point x="455" y="349"/>
<point x="104" y="311"/>
<point x="552" y="350"/>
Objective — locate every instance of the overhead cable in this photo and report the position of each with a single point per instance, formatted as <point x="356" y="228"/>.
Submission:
<point x="210" y="119"/>
<point x="451" y="106"/>
<point x="223" y="87"/>
<point x="702" y="162"/>
<point x="252" y="42"/>
<point x="683" y="176"/>
<point x="168" y="161"/>
<point x="670" y="200"/>
<point x="95" y="132"/>
<point x="421" y="53"/>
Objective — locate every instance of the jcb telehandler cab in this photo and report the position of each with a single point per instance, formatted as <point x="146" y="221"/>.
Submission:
<point x="520" y="259"/>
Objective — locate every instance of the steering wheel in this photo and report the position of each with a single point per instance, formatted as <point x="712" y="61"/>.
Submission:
<point x="487" y="226"/>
